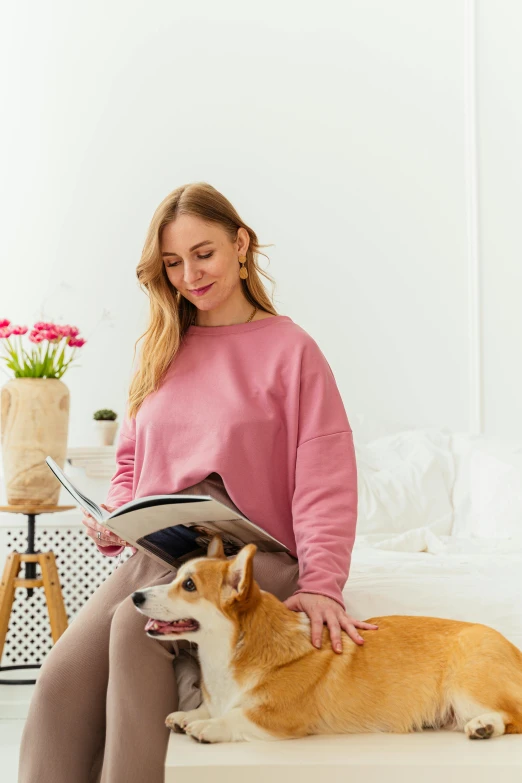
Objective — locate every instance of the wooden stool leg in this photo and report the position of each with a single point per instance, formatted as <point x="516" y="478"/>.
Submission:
<point x="7" y="592"/>
<point x="53" y="594"/>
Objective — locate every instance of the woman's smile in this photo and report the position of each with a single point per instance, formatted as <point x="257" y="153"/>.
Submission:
<point x="200" y="291"/>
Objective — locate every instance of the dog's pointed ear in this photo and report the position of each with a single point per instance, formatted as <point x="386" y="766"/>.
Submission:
<point x="241" y="571"/>
<point x="215" y="548"/>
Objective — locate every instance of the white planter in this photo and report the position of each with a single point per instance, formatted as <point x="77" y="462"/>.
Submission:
<point x="105" y="432"/>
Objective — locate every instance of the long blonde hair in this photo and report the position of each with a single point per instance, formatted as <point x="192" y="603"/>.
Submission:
<point x="170" y="313"/>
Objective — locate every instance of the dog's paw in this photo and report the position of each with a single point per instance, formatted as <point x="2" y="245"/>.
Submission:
<point x="177" y="722"/>
<point x="485" y="726"/>
<point x="207" y="730"/>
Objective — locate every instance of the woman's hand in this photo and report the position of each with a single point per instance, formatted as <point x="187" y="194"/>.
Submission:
<point x="321" y="609"/>
<point x="107" y="538"/>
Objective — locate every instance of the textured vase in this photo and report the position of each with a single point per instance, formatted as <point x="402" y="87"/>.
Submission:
<point x="34" y="424"/>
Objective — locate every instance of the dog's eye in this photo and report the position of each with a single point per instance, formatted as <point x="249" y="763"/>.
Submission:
<point x="189" y="585"/>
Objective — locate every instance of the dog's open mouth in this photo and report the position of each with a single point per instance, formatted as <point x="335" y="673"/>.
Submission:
<point x="158" y="627"/>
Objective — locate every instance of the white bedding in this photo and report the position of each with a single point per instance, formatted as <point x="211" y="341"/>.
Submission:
<point x="477" y="580"/>
<point x="439" y="529"/>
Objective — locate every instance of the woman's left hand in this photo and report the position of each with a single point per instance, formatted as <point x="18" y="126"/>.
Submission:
<point x="321" y="609"/>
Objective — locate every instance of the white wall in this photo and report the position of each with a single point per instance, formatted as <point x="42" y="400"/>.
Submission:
<point x="343" y="132"/>
<point x="500" y="170"/>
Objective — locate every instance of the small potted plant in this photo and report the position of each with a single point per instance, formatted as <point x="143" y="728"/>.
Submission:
<point x="105" y="425"/>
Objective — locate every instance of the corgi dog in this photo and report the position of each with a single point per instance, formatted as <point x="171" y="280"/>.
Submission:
<point x="262" y="678"/>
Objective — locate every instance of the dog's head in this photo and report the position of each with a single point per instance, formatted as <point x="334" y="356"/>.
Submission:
<point x="207" y="592"/>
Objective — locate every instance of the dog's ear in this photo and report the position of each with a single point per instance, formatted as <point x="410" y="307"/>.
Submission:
<point x="240" y="573"/>
<point x="215" y="548"/>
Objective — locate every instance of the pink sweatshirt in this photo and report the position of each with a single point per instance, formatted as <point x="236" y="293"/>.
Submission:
<point x="257" y="403"/>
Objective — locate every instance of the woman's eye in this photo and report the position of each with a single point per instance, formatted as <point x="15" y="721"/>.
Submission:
<point x="189" y="585"/>
<point x="175" y="263"/>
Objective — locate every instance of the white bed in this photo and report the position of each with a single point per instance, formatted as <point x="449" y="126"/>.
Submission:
<point x="476" y="581"/>
<point x="439" y="529"/>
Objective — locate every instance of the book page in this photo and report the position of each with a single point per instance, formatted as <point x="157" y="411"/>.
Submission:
<point x="163" y="527"/>
<point x="83" y="501"/>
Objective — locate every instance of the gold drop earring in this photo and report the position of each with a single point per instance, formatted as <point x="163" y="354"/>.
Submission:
<point x="243" y="272"/>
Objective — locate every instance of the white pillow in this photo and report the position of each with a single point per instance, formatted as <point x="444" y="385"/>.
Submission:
<point x="405" y="482"/>
<point x="464" y="445"/>
<point x="495" y="495"/>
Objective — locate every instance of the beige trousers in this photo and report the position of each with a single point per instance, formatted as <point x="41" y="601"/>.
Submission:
<point x="97" y="714"/>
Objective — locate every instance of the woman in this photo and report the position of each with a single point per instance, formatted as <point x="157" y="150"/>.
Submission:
<point x="230" y="398"/>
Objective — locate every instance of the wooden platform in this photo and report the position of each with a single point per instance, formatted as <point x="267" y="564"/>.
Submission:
<point x="424" y="757"/>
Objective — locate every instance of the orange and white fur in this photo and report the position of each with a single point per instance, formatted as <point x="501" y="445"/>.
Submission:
<point x="261" y="677"/>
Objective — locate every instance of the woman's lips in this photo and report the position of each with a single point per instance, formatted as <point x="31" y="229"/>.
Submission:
<point x="200" y="291"/>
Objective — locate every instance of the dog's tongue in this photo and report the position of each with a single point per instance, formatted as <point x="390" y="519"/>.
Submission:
<point x="162" y="626"/>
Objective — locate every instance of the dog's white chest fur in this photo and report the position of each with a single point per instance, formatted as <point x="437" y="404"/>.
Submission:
<point x="223" y="690"/>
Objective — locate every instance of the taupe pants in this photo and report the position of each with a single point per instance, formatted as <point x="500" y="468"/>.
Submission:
<point x="97" y="714"/>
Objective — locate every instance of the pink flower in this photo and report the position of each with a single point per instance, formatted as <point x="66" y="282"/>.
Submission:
<point x="36" y="337"/>
<point x="67" y="331"/>
<point x="76" y="342"/>
<point x="7" y="330"/>
<point x="53" y="331"/>
<point x="4" y="322"/>
<point x="51" y="335"/>
<point x="44" y="325"/>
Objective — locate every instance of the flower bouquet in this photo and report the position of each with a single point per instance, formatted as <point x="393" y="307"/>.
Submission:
<point x="48" y="357"/>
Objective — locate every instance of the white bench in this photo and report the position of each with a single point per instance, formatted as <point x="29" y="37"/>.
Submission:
<point x="423" y="757"/>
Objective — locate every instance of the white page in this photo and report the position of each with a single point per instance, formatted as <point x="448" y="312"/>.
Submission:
<point x="143" y="516"/>
<point x="190" y="510"/>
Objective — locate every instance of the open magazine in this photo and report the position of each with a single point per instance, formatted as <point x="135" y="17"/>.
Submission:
<point x="174" y="528"/>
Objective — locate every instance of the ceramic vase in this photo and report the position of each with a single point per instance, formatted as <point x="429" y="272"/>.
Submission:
<point x="34" y="424"/>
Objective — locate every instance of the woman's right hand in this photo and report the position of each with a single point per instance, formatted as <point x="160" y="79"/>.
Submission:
<point x="107" y="538"/>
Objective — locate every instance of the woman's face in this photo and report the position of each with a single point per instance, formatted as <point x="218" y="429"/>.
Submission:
<point x="213" y="262"/>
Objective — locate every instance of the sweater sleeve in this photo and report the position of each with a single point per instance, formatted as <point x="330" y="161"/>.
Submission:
<point x="324" y="502"/>
<point x="121" y="489"/>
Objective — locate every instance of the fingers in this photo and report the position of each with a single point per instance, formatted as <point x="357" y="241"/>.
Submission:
<point x="93" y="528"/>
<point x="336" y="619"/>
<point x="316" y="627"/>
<point x="351" y="630"/>
<point x="107" y="536"/>
<point x="101" y="540"/>
<point x="335" y="631"/>
<point x="108" y="508"/>
<point x="335" y="625"/>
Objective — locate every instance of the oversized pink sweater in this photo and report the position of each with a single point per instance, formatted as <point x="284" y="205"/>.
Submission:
<point x="257" y="403"/>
